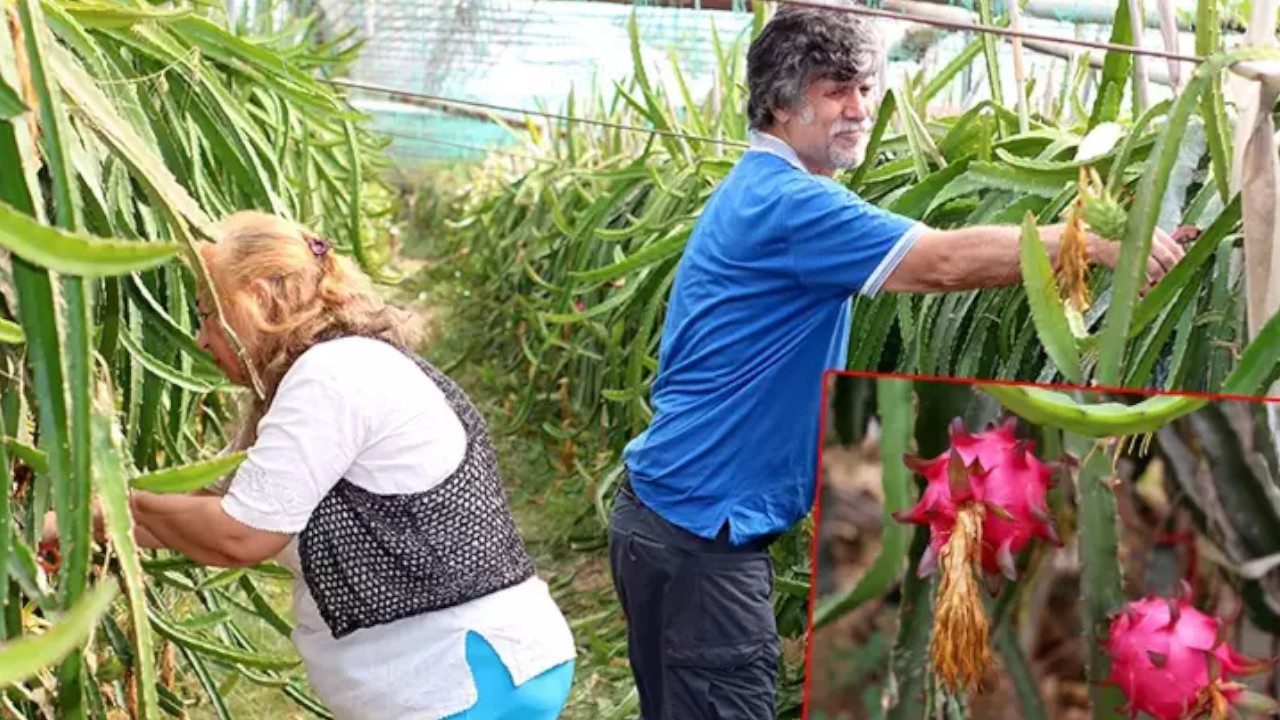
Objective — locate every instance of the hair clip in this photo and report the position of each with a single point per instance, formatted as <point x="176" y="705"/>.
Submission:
<point x="319" y="245"/>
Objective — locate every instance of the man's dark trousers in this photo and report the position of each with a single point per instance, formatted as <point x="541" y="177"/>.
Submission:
<point x="702" y="637"/>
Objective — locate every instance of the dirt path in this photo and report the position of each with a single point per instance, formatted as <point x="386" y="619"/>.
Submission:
<point x="554" y="510"/>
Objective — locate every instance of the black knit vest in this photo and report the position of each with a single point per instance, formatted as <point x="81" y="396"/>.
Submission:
<point x="371" y="559"/>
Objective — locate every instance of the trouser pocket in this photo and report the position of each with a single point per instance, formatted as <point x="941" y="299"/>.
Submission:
<point x="720" y="641"/>
<point x="643" y="570"/>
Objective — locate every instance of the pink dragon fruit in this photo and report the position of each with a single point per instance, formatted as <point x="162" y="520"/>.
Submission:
<point x="1171" y="660"/>
<point x="985" y="501"/>
<point x="1003" y="476"/>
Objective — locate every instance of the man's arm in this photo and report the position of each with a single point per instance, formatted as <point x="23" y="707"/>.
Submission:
<point x="988" y="256"/>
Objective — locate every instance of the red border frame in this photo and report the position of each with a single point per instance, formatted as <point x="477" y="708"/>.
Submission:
<point x="822" y="432"/>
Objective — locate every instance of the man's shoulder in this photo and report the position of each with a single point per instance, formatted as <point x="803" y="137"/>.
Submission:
<point x="762" y="181"/>
<point x="784" y="182"/>
<point x="760" y="166"/>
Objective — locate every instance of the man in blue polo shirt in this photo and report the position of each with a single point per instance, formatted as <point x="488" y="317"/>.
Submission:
<point x="759" y="310"/>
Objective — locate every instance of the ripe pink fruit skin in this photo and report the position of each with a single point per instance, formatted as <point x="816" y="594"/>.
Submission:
<point x="1011" y="479"/>
<point x="1160" y="657"/>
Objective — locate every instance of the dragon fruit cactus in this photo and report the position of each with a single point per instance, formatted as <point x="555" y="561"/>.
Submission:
<point x="984" y="502"/>
<point x="1171" y="662"/>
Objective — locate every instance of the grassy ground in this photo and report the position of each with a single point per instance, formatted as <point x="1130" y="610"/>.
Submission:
<point x="555" y="510"/>
<point x="243" y="698"/>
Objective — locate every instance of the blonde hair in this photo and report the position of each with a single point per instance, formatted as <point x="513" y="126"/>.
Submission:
<point x="292" y="290"/>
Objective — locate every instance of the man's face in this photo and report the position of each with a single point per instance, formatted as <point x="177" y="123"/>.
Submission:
<point x="831" y="130"/>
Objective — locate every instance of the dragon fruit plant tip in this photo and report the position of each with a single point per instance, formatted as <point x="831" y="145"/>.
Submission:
<point x="985" y="501"/>
<point x="1171" y="661"/>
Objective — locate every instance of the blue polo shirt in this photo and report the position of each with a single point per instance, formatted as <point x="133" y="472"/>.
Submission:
<point x="760" y="308"/>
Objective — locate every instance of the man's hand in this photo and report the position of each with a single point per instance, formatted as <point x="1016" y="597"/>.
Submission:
<point x="1165" y="253"/>
<point x="987" y="256"/>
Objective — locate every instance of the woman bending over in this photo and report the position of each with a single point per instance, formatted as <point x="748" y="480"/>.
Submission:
<point x="372" y="477"/>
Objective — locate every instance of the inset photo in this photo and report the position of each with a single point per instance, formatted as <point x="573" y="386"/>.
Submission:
<point x="996" y="551"/>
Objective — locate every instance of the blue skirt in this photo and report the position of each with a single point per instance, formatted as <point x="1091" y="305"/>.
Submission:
<point x="540" y="698"/>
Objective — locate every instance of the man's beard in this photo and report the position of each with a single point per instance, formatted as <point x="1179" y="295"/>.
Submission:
<point x="846" y="157"/>
<point x="841" y="158"/>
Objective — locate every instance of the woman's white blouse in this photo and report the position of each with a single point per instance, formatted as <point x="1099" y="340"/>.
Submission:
<point x="358" y="409"/>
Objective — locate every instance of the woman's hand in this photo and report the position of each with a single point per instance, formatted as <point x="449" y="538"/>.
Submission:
<point x="49" y="549"/>
<point x="49" y="534"/>
<point x="198" y="527"/>
<point x="193" y="524"/>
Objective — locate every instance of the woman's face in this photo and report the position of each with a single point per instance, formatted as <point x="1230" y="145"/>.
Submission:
<point x="212" y="338"/>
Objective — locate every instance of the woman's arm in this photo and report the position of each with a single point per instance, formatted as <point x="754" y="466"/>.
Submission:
<point x="142" y="536"/>
<point x="198" y="527"/>
<point x="306" y="441"/>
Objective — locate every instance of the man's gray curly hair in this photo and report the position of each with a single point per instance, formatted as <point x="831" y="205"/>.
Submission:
<point x="803" y="44"/>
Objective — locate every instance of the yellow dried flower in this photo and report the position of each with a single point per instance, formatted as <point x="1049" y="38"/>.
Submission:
<point x="1073" y="259"/>
<point x="960" y="649"/>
